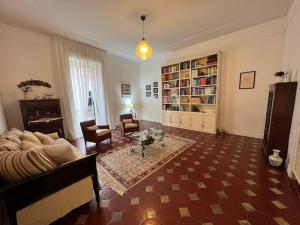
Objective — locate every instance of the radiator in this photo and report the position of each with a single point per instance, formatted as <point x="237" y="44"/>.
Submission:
<point x="296" y="171"/>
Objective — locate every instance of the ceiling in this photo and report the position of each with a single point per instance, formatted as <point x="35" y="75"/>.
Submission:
<point x="115" y="25"/>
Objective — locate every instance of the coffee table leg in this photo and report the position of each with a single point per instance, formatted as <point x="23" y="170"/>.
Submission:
<point x="143" y="148"/>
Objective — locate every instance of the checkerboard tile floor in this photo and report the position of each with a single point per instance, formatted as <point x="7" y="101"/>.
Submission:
<point x="217" y="181"/>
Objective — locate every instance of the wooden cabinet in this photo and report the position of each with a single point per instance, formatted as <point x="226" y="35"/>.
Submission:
<point x="209" y="122"/>
<point x="42" y="115"/>
<point x="279" y="118"/>
<point x="184" y="120"/>
<point x="196" y="121"/>
<point x="204" y="122"/>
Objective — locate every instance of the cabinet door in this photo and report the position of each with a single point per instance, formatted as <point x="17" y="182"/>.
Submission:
<point x="209" y="122"/>
<point x="166" y="118"/>
<point x="184" y="120"/>
<point x="175" y="119"/>
<point x="196" y="121"/>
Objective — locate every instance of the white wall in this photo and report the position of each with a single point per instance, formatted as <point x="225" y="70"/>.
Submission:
<point x="291" y="61"/>
<point x="28" y="55"/>
<point x="23" y="55"/>
<point x="120" y="71"/>
<point x="258" y="48"/>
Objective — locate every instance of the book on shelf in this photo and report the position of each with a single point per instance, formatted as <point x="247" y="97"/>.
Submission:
<point x="185" y="65"/>
<point x="170" y="69"/>
<point x="204" y="90"/>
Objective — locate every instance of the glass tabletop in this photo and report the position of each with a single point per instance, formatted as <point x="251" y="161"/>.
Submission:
<point x="145" y="135"/>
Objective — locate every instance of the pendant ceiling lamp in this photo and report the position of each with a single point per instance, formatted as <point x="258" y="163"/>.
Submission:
<point x="143" y="50"/>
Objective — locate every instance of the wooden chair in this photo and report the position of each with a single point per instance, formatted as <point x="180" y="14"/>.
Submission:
<point x="95" y="133"/>
<point x="128" y="124"/>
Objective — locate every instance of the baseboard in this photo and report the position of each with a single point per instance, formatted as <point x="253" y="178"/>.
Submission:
<point x="245" y="133"/>
<point x="151" y="120"/>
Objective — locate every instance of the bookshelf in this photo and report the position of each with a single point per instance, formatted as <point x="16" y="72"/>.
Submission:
<point x="190" y="92"/>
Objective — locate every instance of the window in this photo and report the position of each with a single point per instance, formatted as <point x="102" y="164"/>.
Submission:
<point x="91" y="106"/>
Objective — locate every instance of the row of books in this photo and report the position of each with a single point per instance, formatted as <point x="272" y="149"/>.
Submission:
<point x="170" y="69"/>
<point x="185" y="65"/>
<point x="170" y="92"/>
<point x="184" y="83"/>
<point x="171" y="107"/>
<point x="171" y="84"/>
<point x="172" y="76"/>
<point x="204" y="81"/>
<point x="204" y="91"/>
<point x="204" y="100"/>
<point x="209" y="60"/>
<point x="170" y="99"/>
<point x="185" y="91"/>
<point x="205" y="71"/>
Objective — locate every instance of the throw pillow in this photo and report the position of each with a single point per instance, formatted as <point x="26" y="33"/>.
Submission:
<point x="29" y="136"/>
<point x="95" y="127"/>
<point x="12" y="137"/>
<point x="54" y="135"/>
<point x="77" y="152"/>
<point x="127" y="121"/>
<point x="7" y="145"/>
<point x="60" y="154"/>
<point x="45" y="139"/>
<point x="19" y="165"/>
<point x="16" y="131"/>
<point x="30" y="146"/>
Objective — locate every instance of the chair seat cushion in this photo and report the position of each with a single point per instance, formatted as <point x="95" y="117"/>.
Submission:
<point x="127" y="120"/>
<point x="131" y="125"/>
<point x="95" y="127"/>
<point x="102" y="132"/>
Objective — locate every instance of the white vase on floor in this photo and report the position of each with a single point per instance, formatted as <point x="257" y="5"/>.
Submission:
<point x="275" y="160"/>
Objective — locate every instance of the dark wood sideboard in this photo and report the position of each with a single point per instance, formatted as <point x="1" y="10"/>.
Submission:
<point x="279" y="118"/>
<point x="42" y="115"/>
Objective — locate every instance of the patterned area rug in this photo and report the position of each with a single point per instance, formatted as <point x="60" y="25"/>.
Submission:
<point x="122" y="169"/>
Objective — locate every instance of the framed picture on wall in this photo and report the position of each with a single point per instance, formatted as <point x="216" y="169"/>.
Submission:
<point x="125" y="89"/>
<point x="155" y="95"/>
<point x="148" y="87"/>
<point x="247" y="80"/>
<point x="148" y="94"/>
<point x="155" y="90"/>
<point x="155" y="84"/>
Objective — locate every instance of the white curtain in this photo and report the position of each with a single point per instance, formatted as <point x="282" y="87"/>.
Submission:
<point x="80" y="69"/>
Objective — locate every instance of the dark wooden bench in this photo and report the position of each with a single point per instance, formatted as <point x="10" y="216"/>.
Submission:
<point x="15" y="196"/>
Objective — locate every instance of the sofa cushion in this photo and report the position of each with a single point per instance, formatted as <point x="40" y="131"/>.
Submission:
<point x="45" y="139"/>
<point x="62" y="141"/>
<point x="7" y="145"/>
<point x="102" y="132"/>
<point x="29" y="136"/>
<point x="18" y="165"/>
<point x="127" y="121"/>
<point x="61" y="154"/>
<point x="30" y="146"/>
<point x="12" y="136"/>
<point x="131" y="125"/>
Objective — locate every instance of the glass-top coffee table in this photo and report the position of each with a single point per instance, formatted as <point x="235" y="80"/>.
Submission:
<point x="145" y="138"/>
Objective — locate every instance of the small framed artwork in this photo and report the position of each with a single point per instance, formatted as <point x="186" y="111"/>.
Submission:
<point x="148" y="94"/>
<point x="148" y="87"/>
<point x="155" y="90"/>
<point x="247" y="80"/>
<point x="155" y="84"/>
<point x="125" y="89"/>
<point x="155" y="95"/>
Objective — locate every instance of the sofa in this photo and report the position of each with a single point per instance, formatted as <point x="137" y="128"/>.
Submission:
<point x="41" y="196"/>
